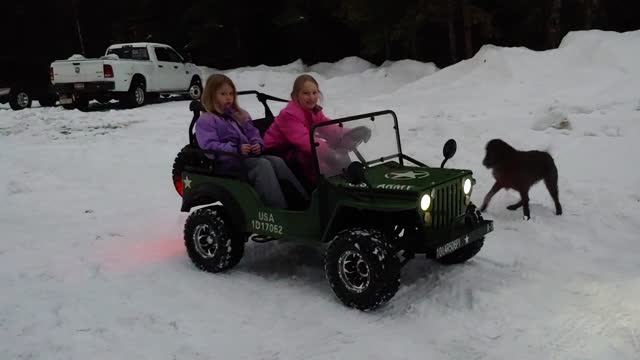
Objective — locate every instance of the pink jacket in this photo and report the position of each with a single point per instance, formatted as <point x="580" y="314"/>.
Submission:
<point x="289" y="135"/>
<point x="292" y="126"/>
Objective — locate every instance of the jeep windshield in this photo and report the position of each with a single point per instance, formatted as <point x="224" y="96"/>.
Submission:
<point x="369" y="138"/>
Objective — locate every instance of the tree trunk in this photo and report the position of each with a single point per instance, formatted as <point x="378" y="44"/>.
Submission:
<point x="466" y="22"/>
<point x="553" y="23"/>
<point x="452" y="32"/>
<point x="588" y="14"/>
<point x="387" y="42"/>
<point x="75" y="15"/>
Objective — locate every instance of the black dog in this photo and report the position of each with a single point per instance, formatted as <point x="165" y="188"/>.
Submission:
<point x="519" y="170"/>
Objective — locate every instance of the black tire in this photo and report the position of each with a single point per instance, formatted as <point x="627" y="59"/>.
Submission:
<point x="374" y="279"/>
<point x="103" y="98"/>
<point x="48" y="100"/>
<point x="462" y="255"/>
<point x="137" y="94"/>
<point x="182" y="159"/>
<point x="195" y="88"/>
<point x="81" y="102"/>
<point x="20" y="98"/>
<point x="211" y="243"/>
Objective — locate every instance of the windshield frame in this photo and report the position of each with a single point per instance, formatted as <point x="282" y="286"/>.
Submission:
<point x="372" y="117"/>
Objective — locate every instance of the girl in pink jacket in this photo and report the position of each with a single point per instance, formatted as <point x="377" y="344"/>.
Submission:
<point x="288" y="136"/>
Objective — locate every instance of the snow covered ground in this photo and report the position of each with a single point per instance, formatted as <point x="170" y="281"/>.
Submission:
<point x="92" y="263"/>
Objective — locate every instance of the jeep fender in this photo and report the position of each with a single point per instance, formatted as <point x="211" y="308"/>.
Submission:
<point x="349" y="216"/>
<point x="208" y="194"/>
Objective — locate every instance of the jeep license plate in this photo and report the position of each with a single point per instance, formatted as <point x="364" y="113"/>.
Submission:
<point x="78" y="86"/>
<point x="451" y="246"/>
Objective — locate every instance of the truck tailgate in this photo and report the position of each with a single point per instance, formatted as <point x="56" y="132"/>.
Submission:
<point x="75" y="71"/>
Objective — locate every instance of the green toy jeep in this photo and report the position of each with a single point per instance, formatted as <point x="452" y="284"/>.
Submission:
<point x="376" y="213"/>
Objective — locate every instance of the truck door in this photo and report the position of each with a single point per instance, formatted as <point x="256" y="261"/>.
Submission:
<point x="181" y="72"/>
<point x="164" y="69"/>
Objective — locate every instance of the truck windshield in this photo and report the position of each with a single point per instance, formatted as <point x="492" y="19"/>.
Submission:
<point x="130" y="53"/>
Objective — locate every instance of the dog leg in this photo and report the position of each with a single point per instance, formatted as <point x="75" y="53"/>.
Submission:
<point x="494" y="189"/>
<point x="515" y="206"/>
<point x="551" y="182"/>
<point x="525" y="204"/>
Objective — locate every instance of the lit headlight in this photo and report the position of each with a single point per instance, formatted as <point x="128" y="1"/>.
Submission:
<point x="466" y="186"/>
<point x="425" y="202"/>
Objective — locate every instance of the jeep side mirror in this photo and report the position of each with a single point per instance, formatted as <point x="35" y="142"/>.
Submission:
<point x="448" y="150"/>
<point x="354" y="173"/>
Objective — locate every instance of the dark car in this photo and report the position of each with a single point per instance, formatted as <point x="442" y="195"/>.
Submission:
<point x="24" y="79"/>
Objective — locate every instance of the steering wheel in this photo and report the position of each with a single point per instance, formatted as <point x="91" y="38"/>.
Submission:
<point x="355" y="137"/>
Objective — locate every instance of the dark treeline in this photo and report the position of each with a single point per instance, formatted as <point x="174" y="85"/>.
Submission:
<point x="225" y="34"/>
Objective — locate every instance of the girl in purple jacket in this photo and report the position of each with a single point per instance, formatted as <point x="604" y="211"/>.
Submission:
<point x="228" y="128"/>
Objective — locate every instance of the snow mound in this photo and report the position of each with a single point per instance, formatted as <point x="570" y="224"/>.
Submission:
<point x="347" y="66"/>
<point x="555" y="116"/>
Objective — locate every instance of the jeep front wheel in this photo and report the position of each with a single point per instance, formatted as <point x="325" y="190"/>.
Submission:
<point x="362" y="268"/>
<point x="210" y="240"/>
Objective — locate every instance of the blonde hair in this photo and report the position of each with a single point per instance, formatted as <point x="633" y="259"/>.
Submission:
<point x="299" y="82"/>
<point x="215" y="82"/>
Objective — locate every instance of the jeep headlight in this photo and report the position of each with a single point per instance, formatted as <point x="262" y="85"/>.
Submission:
<point x="425" y="202"/>
<point x="466" y="186"/>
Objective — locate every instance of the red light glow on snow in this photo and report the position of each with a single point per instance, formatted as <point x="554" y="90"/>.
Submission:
<point x="127" y="257"/>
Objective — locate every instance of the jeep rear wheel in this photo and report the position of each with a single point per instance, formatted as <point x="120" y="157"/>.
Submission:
<point x="362" y="268"/>
<point x="210" y="240"/>
<point x="462" y="255"/>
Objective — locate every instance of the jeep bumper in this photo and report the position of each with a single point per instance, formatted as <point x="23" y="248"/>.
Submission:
<point x="460" y="237"/>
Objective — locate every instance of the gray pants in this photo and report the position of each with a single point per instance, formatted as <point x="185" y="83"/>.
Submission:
<point x="264" y="173"/>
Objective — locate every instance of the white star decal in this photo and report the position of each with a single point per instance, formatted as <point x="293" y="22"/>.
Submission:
<point x="406" y="175"/>
<point x="187" y="182"/>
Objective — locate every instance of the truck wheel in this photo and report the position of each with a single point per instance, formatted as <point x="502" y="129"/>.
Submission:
<point x="210" y="241"/>
<point x="195" y="89"/>
<point x="48" y="100"/>
<point x="362" y="268"/>
<point x="137" y="94"/>
<point x="462" y="255"/>
<point x="81" y="102"/>
<point x="19" y="99"/>
<point x="103" y="98"/>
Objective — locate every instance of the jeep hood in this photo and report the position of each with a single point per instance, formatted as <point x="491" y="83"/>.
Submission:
<point x="393" y="176"/>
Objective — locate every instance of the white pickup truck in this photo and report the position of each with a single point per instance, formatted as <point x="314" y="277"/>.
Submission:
<point x="133" y="73"/>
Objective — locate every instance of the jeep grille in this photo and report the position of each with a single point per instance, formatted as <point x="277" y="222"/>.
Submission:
<point x="448" y="203"/>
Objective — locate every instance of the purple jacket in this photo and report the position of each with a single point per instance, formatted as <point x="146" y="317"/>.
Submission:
<point x="220" y="133"/>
